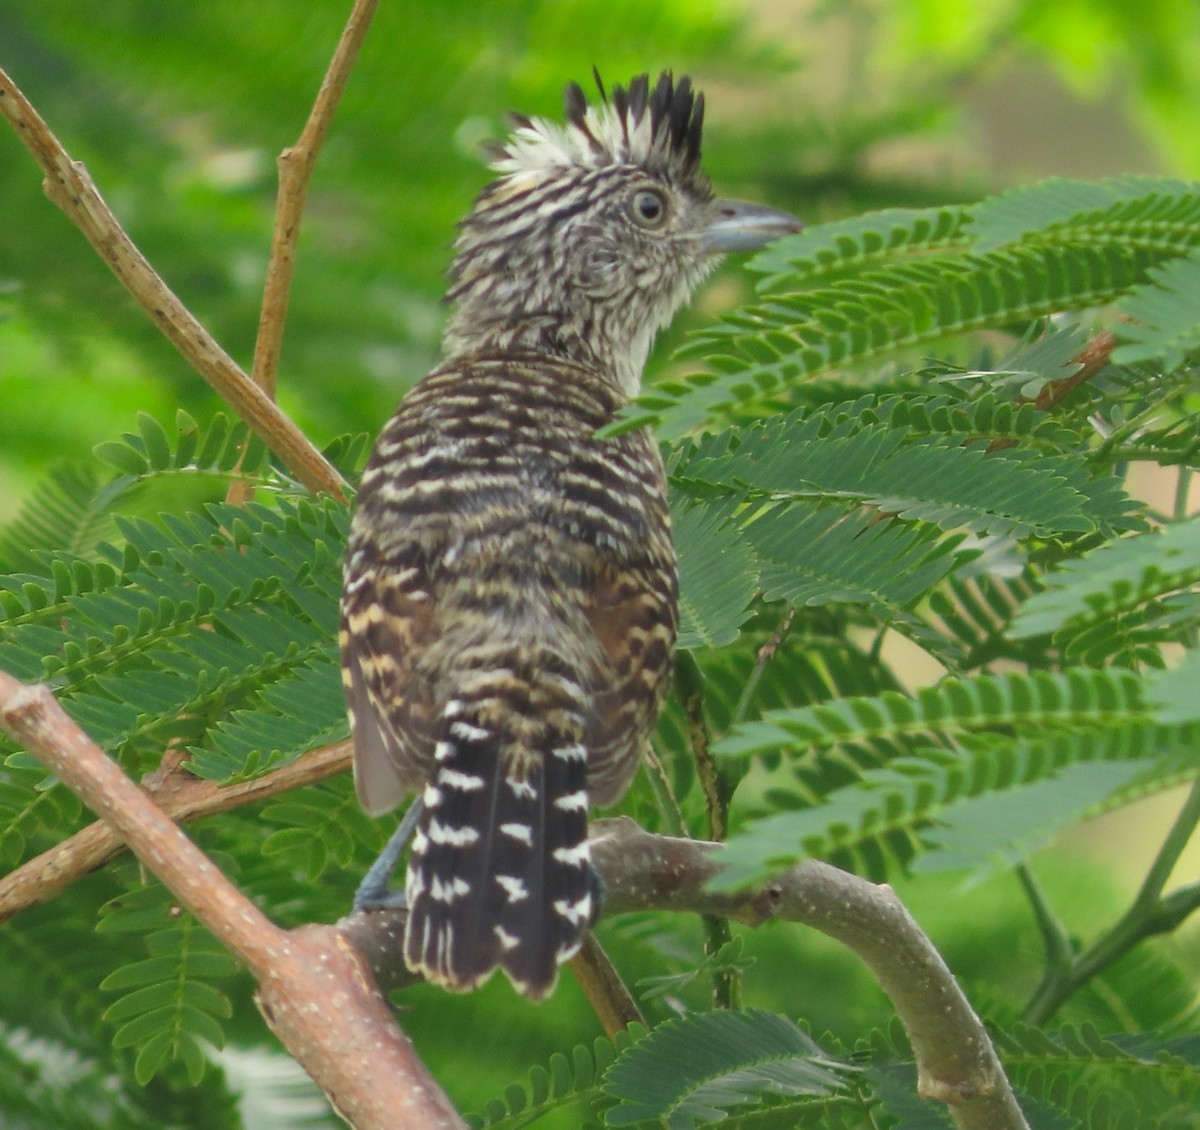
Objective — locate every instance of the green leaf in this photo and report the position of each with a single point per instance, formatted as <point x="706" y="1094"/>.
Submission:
<point x="1136" y="210"/>
<point x="1122" y="600"/>
<point x="896" y="808"/>
<point x="816" y="555"/>
<point x="68" y="512"/>
<point x="765" y="350"/>
<point x="717" y="576"/>
<point x="1163" y="316"/>
<point x="564" y="1086"/>
<point x="1079" y="695"/>
<point x="699" y="1068"/>
<point x="995" y="831"/>
<point x="947" y="484"/>
<point x="1175" y="694"/>
<point x="827" y="251"/>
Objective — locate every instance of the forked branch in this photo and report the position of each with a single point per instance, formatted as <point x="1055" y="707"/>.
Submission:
<point x="312" y="987"/>
<point x="956" y="1061"/>
<point x="69" y="186"/>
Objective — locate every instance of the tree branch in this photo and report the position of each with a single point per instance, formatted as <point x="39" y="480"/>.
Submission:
<point x="69" y="186"/>
<point x="312" y="986"/>
<point x="296" y="164"/>
<point x="956" y="1062"/>
<point x="181" y="797"/>
<point x="315" y="996"/>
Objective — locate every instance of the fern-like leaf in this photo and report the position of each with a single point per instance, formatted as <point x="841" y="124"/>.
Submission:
<point x="218" y="449"/>
<point x="216" y="631"/>
<point x="821" y="254"/>
<point x="1000" y="797"/>
<point x="168" y="1009"/>
<point x="761" y="350"/>
<point x="1164" y="316"/>
<point x="944" y="483"/>
<point x="1122" y="601"/>
<point x="1127" y="1080"/>
<point x="319" y="826"/>
<point x="698" y="1068"/>
<point x="1077" y="696"/>
<point x="563" y="1084"/>
<point x="717" y="575"/>
<point x="815" y="555"/>
<point x="70" y="510"/>
<point x="1153" y="212"/>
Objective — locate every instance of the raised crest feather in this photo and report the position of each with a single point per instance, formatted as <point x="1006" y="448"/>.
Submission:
<point x="657" y="128"/>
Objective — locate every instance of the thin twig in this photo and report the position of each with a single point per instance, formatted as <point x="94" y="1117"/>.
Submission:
<point x="313" y="989"/>
<point x="69" y="186"/>
<point x="296" y="165"/>
<point x="608" y="995"/>
<point x="689" y="683"/>
<point x="1056" y="941"/>
<point x="765" y="654"/>
<point x="717" y="790"/>
<point x="182" y="797"/>
<point x="1091" y="359"/>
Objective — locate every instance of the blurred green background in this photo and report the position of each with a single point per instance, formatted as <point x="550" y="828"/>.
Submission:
<point x="179" y="110"/>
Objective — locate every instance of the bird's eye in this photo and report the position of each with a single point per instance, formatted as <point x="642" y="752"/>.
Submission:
<point x="648" y="208"/>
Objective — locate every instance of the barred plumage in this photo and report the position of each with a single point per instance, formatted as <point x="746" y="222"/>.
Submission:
<point x="510" y="587"/>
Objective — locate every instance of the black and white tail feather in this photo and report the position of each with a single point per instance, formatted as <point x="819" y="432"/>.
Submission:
<point x="500" y="872"/>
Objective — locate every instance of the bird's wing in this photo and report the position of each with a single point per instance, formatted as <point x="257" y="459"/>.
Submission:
<point x="387" y="620"/>
<point x="632" y="613"/>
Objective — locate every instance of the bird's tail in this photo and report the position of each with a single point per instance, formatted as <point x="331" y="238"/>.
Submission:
<point x="500" y="872"/>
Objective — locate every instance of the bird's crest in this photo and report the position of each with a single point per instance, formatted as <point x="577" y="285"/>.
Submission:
<point x="656" y="128"/>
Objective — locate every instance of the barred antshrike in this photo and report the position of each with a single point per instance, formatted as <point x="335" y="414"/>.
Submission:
<point x="510" y="586"/>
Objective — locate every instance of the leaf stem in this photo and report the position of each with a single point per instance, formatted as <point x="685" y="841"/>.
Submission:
<point x="1150" y="913"/>
<point x="765" y="654"/>
<point x="1056" y="941"/>
<point x="1182" y="487"/>
<point x="717" y="789"/>
<point x="1150" y="893"/>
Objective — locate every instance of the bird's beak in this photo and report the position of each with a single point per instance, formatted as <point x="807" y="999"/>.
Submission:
<point x="741" y="226"/>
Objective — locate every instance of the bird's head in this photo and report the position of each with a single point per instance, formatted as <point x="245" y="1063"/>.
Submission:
<point x="597" y="231"/>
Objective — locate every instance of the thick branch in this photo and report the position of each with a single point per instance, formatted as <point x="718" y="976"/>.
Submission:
<point x="955" y="1058"/>
<point x="312" y="986"/>
<point x="69" y="186"/>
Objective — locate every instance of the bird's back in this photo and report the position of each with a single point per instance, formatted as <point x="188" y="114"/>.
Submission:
<point x="508" y="624"/>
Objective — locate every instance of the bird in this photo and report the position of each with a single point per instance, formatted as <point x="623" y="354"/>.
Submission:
<point x="510" y="587"/>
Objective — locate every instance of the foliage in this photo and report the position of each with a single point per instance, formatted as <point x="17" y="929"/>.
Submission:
<point x="928" y="623"/>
